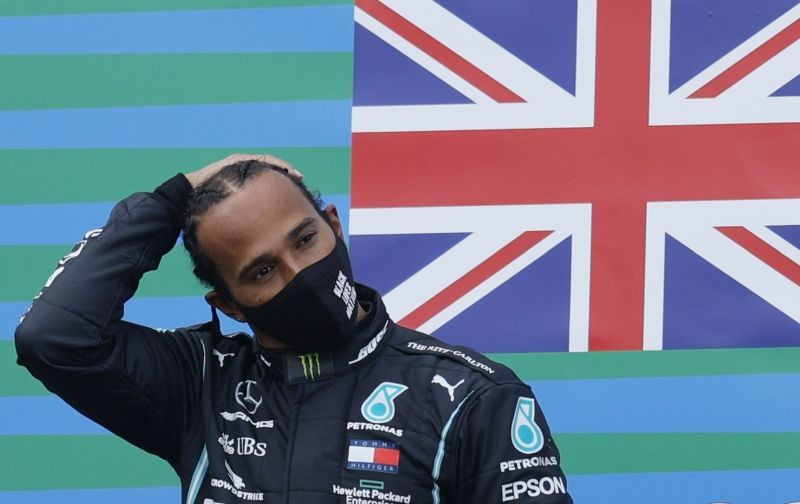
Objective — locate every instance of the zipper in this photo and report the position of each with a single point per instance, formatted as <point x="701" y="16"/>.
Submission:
<point x="290" y="446"/>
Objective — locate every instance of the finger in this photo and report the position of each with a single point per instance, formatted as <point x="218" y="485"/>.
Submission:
<point x="293" y="172"/>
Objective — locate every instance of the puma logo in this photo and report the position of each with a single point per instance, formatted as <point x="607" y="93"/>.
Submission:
<point x="221" y="356"/>
<point x="439" y="379"/>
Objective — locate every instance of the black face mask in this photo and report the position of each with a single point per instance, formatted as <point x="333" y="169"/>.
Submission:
<point x="317" y="310"/>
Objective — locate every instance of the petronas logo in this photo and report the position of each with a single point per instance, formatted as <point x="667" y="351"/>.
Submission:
<point x="379" y="406"/>
<point x="526" y="436"/>
<point x="311" y="366"/>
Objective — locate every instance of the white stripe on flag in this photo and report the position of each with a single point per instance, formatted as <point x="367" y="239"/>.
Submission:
<point x="361" y="454"/>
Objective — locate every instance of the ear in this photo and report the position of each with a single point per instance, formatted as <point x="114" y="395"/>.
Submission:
<point x="225" y="305"/>
<point x="333" y="218"/>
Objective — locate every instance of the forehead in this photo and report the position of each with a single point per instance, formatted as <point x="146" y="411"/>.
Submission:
<point x="258" y="215"/>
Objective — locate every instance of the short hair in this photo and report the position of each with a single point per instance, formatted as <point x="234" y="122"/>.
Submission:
<point x="216" y="189"/>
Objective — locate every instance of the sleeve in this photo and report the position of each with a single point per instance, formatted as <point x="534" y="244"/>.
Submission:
<point x="139" y="383"/>
<point x="503" y="451"/>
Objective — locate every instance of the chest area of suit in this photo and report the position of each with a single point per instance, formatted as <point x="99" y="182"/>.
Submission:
<point x="373" y="436"/>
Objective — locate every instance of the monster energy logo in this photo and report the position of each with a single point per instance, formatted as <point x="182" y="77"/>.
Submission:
<point x="311" y="366"/>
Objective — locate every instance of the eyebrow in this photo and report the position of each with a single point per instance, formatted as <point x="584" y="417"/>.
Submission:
<point x="266" y="256"/>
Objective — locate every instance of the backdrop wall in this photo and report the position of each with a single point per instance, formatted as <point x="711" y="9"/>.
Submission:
<point x="603" y="195"/>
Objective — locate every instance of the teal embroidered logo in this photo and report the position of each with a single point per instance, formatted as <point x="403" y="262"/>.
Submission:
<point x="525" y="434"/>
<point x="379" y="406"/>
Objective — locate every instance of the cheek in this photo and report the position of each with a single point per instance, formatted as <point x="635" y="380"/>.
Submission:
<point x="254" y="295"/>
<point x="292" y="262"/>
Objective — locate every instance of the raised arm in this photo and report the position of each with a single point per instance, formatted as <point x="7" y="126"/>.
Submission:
<point x="139" y="383"/>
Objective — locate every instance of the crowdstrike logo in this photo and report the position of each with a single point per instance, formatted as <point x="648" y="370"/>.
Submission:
<point x="247" y="396"/>
<point x="311" y="366"/>
<point x="237" y="480"/>
<point x="236" y="485"/>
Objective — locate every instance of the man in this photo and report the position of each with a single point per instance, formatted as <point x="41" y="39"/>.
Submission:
<point x="330" y="401"/>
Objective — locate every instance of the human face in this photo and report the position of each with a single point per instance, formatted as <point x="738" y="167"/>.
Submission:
<point x="260" y="237"/>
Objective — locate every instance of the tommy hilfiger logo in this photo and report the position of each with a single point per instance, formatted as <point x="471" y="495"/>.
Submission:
<point x="373" y="455"/>
<point x="311" y="365"/>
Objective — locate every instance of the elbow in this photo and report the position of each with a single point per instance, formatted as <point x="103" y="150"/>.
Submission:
<point x="43" y="341"/>
<point x="30" y="341"/>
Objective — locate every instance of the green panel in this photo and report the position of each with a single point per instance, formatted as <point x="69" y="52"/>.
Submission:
<point x="582" y="365"/>
<point x="34" y="7"/>
<point x="24" y="269"/>
<point x="129" y="80"/>
<point x="38" y="176"/>
<point x="64" y="462"/>
<point x="16" y="380"/>
<point x="636" y="453"/>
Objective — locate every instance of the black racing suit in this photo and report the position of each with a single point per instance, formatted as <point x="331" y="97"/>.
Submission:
<point x="395" y="416"/>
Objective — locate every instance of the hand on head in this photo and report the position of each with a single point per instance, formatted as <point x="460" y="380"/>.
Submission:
<point x="196" y="178"/>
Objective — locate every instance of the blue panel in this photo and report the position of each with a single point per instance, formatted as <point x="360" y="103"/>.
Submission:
<point x="385" y="261"/>
<point x="705" y="308"/>
<point x="43" y="415"/>
<point x="702" y="31"/>
<point x="791" y="88"/>
<point x="737" y="403"/>
<point x="788" y="233"/>
<point x="286" y="124"/>
<point x="300" y="29"/>
<point x="706" y="404"/>
<point x="527" y="313"/>
<point x="774" y="486"/>
<point x="543" y="33"/>
<point x="58" y="224"/>
<point x="166" y="495"/>
<point x="157" y="312"/>
<point x="61" y="224"/>
<point x="385" y="76"/>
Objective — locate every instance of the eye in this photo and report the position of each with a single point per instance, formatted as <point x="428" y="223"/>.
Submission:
<point x="263" y="272"/>
<point x="305" y="240"/>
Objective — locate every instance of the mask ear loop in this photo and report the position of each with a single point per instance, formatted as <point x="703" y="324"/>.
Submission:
<point x="215" y="319"/>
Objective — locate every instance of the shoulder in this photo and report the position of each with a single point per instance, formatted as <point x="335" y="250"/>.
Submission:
<point x="210" y="346"/>
<point x="428" y="348"/>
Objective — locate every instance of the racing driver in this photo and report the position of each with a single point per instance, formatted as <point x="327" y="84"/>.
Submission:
<point x="329" y="402"/>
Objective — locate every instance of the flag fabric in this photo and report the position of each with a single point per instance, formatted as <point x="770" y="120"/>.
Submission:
<point x="604" y="229"/>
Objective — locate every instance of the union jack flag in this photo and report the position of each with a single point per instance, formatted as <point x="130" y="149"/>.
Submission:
<point x="577" y="175"/>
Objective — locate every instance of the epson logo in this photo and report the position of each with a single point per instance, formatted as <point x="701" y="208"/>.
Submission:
<point x="533" y="487"/>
